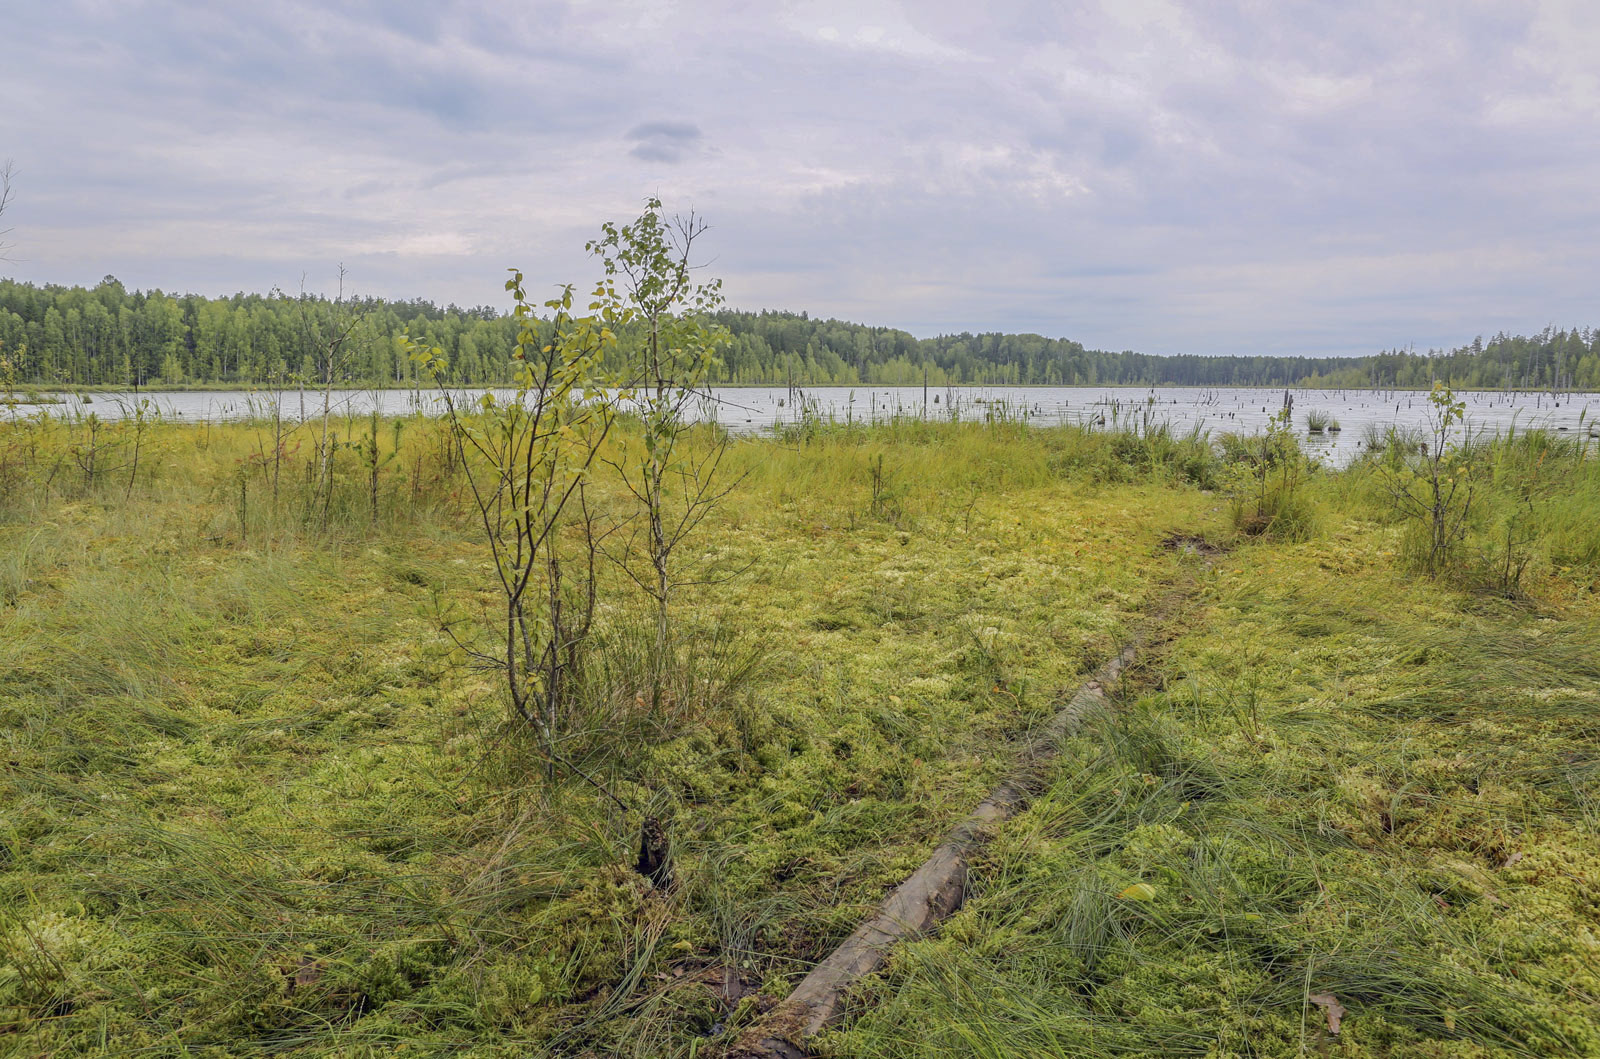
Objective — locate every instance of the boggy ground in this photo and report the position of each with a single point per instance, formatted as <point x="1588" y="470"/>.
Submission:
<point x="1338" y="790"/>
<point x="254" y="802"/>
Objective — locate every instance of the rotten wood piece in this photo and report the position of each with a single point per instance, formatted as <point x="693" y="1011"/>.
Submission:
<point x="655" y="853"/>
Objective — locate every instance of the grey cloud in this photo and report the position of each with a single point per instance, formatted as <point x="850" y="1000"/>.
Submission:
<point x="665" y="130"/>
<point x="1227" y="177"/>
<point x="663" y="141"/>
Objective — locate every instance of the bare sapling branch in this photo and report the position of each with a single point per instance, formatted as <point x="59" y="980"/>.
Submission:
<point x="6" y="172"/>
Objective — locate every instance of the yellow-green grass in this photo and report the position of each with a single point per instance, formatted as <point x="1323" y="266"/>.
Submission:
<point x="254" y="801"/>
<point x="1338" y="782"/>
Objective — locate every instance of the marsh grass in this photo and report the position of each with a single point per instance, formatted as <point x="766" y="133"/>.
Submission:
<point x="1534" y="497"/>
<point x="256" y="802"/>
<point x="1267" y="479"/>
<point x="1348" y="786"/>
<point x="1551" y="483"/>
<point x="938" y="461"/>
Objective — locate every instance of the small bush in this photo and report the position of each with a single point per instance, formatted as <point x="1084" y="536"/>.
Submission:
<point x="1265" y="475"/>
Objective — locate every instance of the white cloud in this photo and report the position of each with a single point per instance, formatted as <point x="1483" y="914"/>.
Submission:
<point x="868" y="25"/>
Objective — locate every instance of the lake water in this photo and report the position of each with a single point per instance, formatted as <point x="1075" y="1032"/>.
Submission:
<point x="751" y="409"/>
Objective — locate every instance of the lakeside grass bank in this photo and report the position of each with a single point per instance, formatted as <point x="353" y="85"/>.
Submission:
<point x="258" y="802"/>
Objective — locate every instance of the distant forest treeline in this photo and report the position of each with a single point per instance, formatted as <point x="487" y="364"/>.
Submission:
<point x="110" y="336"/>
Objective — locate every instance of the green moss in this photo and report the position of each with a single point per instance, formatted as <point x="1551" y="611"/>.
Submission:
<point x="1350" y="784"/>
<point x="255" y="802"/>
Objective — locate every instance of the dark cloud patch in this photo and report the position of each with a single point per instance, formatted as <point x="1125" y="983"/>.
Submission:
<point x="663" y="141"/>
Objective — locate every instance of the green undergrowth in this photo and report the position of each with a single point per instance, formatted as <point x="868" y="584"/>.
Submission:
<point x="256" y="802"/>
<point x="1338" y="785"/>
<point x="1527" y="504"/>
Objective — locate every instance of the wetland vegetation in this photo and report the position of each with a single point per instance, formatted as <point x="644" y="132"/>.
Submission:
<point x="541" y="728"/>
<point x="257" y="801"/>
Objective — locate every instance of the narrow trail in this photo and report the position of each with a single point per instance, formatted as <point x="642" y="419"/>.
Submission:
<point x="936" y="889"/>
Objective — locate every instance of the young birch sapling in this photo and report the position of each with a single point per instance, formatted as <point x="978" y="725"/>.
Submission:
<point x="673" y="478"/>
<point x="1434" y="484"/>
<point x="525" y="462"/>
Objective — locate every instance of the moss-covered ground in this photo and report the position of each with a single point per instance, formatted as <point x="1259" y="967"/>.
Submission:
<point x="1335" y="783"/>
<point x="255" y="802"/>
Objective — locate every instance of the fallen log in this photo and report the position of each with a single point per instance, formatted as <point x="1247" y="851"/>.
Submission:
<point x="934" y="890"/>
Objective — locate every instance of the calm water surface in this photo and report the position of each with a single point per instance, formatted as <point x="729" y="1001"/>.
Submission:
<point x="751" y="409"/>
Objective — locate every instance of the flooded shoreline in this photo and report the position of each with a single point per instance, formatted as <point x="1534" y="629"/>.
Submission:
<point x="1346" y="416"/>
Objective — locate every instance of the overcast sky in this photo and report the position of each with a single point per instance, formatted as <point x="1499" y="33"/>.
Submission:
<point x="1228" y="177"/>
